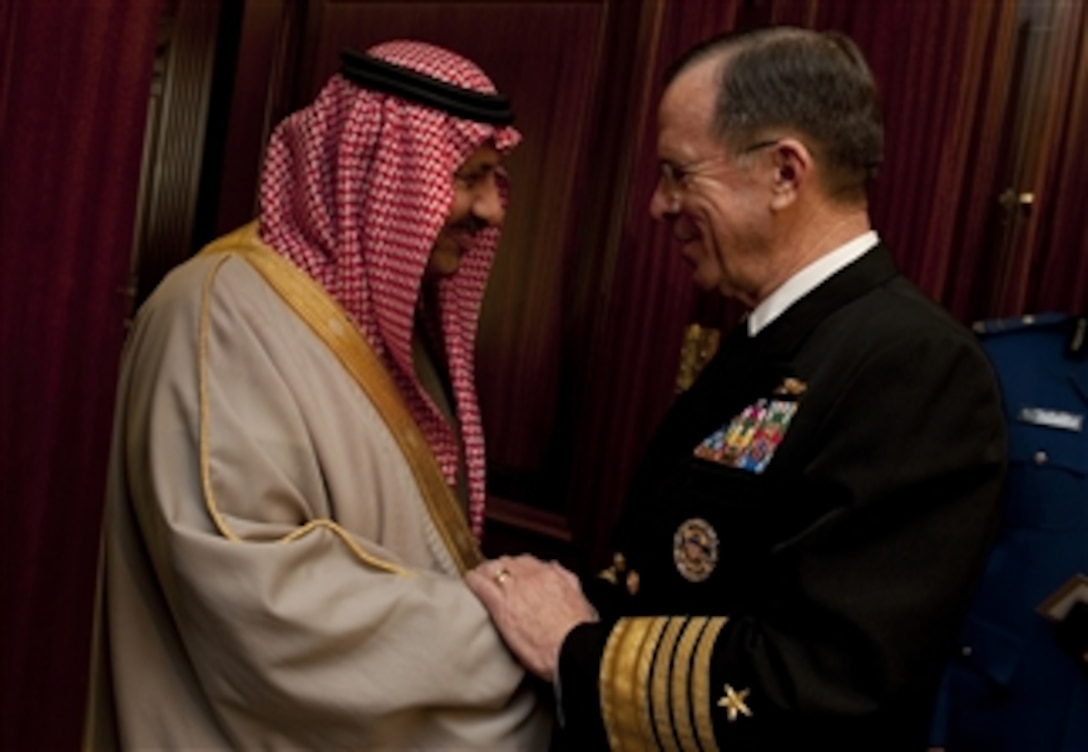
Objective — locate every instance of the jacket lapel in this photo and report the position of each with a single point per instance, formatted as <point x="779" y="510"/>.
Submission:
<point x="783" y="336"/>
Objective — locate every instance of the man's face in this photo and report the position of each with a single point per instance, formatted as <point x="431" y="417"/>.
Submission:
<point x="714" y="203"/>
<point x="477" y="204"/>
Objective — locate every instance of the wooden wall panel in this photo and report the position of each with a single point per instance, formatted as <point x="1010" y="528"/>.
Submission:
<point x="1061" y="243"/>
<point x="262" y="64"/>
<point x="1038" y="242"/>
<point x="174" y="143"/>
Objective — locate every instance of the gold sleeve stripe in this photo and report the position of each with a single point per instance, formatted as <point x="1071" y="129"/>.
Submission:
<point x="210" y="501"/>
<point x="645" y="663"/>
<point x="609" y="668"/>
<point x="700" y="684"/>
<point x="655" y="684"/>
<point x="659" y="686"/>
<point x="680" y="680"/>
<point x="624" y="676"/>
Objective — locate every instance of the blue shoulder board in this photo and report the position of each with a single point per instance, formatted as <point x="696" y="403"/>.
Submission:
<point x="1032" y="321"/>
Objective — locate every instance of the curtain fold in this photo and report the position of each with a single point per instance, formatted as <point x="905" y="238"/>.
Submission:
<point x="73" y="102"/>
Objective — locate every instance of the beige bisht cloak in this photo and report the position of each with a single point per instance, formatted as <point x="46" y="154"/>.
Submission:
<point x="273" y="576"/>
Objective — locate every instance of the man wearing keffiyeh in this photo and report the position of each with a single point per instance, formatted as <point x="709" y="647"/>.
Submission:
<point x="297" y="475"/>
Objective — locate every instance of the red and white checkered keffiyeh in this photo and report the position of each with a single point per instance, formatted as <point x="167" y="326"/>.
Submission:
<point x="355" y="189"/>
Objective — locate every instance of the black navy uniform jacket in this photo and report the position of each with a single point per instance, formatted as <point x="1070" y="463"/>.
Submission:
<point x="1015" y="685"/>
<point x="802" y="537"/>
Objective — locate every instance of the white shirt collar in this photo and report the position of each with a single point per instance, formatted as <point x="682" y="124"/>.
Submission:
<point x="808" y="279"/>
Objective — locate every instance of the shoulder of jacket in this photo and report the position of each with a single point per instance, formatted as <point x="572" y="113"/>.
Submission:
<point x="1032" y="322"/>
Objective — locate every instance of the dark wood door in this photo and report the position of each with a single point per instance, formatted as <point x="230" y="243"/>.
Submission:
<point x="1037" y="237"/>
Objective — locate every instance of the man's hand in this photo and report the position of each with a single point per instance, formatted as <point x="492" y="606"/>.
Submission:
<point x="534" y="605"/>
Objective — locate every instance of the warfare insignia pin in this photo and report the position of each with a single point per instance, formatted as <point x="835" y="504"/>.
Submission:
<point x="695" y="549"/>
<point x="791" y="386"/>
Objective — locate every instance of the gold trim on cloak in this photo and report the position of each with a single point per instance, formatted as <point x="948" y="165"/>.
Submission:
<point x="334" y="327"/>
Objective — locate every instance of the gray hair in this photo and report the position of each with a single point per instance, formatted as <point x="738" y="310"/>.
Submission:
<point x="816" y="84"/>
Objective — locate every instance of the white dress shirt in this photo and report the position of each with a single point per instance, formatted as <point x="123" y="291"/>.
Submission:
<point x="808" y="279"/>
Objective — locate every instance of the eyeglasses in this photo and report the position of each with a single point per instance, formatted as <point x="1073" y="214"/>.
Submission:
<point x="675" y="179"/>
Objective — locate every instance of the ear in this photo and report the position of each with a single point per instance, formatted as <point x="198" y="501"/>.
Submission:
<point x="793" y="165"/>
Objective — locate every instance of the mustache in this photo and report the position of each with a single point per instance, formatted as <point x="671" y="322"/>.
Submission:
<point x="471" y="225"/>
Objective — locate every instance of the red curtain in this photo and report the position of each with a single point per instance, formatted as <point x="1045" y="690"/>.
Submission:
<point x="73" y="101"/>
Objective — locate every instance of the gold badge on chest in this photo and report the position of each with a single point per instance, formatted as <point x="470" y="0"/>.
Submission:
<point x="695" y="549"/>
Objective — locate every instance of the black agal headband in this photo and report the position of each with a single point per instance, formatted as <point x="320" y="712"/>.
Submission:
<point x="378" y="75"/>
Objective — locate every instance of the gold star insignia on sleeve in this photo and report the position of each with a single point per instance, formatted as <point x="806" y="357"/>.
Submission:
<point x="734" y="703"/>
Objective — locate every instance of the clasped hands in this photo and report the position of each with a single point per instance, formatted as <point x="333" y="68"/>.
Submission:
<point x="534" y="605"/>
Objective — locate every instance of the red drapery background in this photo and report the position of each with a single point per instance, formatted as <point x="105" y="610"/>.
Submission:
<point x="73" y="100"/>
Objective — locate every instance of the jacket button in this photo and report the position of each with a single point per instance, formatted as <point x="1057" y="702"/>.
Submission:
<point x="966" y="651"/>
<point x="1041" y="457"/>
